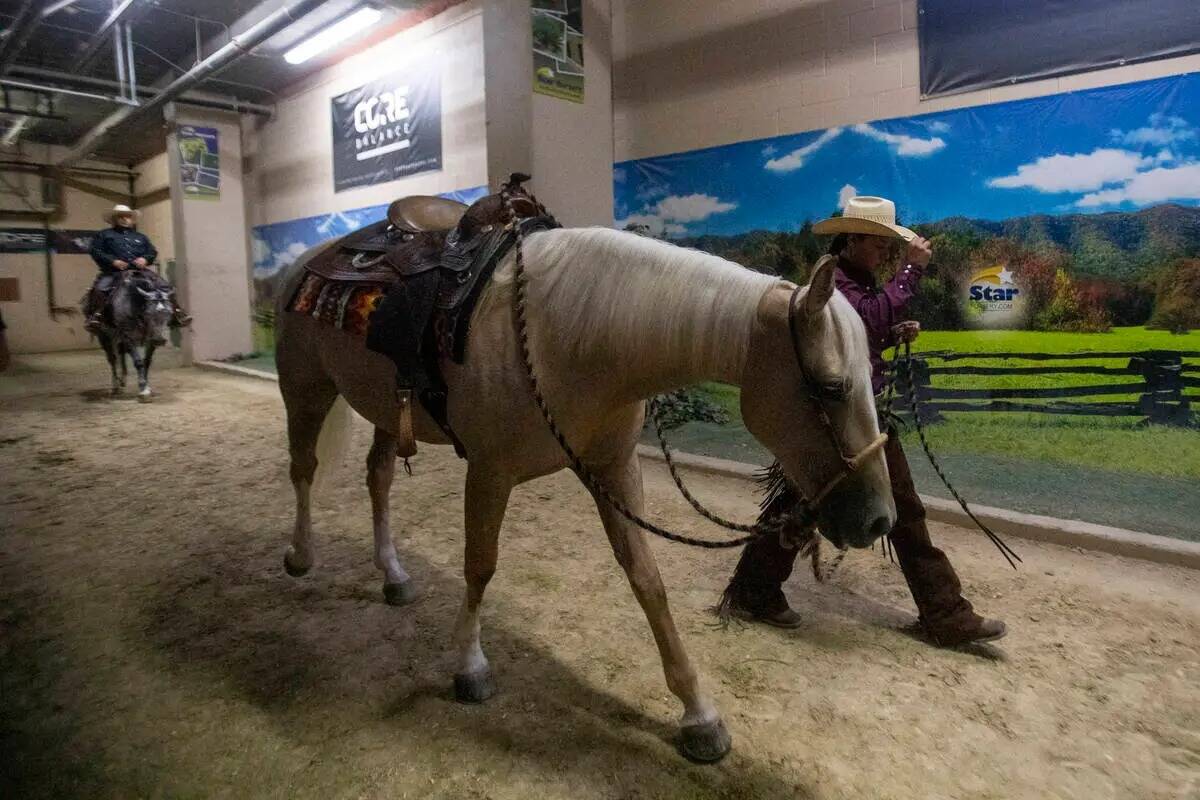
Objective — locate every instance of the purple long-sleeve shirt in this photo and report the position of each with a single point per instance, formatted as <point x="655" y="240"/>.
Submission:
<point x="880" y="308"/>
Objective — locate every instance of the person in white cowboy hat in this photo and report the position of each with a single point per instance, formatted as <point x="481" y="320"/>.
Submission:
<point x="864" y="241"/>
<point x="115" y="249"/>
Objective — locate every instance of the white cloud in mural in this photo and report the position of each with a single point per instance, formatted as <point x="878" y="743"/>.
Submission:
<point x="1157" y="185"/>
<point x="770" y="150"/>
<point x="260" y="251"/>
<point x="692" y="207"/>
<point x="1075" y="173"/>
<point x="937" y="126"/>
<point x="619" y="175"/>
<point x="797" y="158"/>
<point x="671" y="214"/>
<point x="902" y="144"/>
<point x="844" y="195"/>
<point x="283" y="258"/>
<point x="1160" y="131"/>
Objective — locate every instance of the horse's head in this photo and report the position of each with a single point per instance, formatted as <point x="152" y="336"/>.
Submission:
<point x="156" y="309"/>
<point x="806" y="395"/>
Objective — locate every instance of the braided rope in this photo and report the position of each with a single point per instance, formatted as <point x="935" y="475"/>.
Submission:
<point x="589" y="478"/>
<point x="1006" y="551"/>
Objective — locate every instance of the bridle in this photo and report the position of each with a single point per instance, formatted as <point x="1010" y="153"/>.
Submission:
<point x="819" y="395"/>
<point x="793" y="527"/>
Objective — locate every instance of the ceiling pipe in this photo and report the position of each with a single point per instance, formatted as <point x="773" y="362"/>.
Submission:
<point x="18" y="34"/>
<point x="54" y="8"/>
<point x="85" y="59"/>
<point x="237" y="47"/>
<point x="65" y="83"/>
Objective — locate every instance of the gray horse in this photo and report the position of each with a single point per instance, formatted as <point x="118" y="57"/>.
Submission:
<point x="135" y="325"/>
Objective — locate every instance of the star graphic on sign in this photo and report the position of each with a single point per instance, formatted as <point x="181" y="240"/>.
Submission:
<point x="1006" y="277"/>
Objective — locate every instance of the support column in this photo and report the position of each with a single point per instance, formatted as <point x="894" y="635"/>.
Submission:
<point x="212" y="261"/>
<point x="566" y="146"/>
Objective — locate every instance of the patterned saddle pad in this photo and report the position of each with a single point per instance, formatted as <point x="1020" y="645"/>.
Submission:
<point x="344" y="305"/>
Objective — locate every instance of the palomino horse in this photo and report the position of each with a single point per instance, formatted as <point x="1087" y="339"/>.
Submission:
<point x="614" y="318"/>
<point x="140" y="309"/>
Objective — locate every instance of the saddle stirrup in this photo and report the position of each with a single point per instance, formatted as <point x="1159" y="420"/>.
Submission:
<point x="406" y="446"/>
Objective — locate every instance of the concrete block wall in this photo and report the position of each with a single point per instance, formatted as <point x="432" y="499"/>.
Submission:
<point x="690" y="74"/>
<point x="152" y="190"/>
<point x="32" y="328"/>
<point x="288" y="157"/>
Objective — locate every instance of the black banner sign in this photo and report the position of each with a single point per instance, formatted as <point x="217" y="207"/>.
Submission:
<point x="967" y="45"/>
<point x="33" y="240"/>
<point x="388" y="129"/>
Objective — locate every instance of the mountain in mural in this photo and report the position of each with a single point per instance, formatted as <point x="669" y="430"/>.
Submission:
<point x="1126" y="246"/>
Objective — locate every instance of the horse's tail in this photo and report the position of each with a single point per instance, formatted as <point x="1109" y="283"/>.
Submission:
<point x="333" y="441"/>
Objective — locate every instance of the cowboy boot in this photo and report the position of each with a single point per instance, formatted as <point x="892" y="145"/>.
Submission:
<point x="179" y="317"/>
<point x="95" y="311"/>
<point x="945" y="615"/>
<point x="755" y="592"/>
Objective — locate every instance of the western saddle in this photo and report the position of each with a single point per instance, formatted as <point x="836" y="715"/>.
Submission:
<point x="434" y="256"/>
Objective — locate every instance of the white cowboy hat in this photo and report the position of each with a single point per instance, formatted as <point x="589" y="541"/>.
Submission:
<point x="875" y="216"/>
<point x="118" y="210"/>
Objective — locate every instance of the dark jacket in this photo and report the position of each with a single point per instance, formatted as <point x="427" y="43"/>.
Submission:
<point x="121" y="244"/>
<point x="880" y="308"/>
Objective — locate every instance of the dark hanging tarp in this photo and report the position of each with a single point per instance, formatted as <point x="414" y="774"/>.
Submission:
<point x="970" y="44"/>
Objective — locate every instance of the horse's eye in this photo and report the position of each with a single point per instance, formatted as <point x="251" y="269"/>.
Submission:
<point x="833" y="391"/>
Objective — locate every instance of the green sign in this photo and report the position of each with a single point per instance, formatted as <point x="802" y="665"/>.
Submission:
<point x="558" y="49"/>
<point x="199" y="162"/>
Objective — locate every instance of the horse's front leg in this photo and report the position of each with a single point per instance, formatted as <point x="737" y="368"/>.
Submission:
<point x="485" y="502"/>
<point x="111" y="352"/>
<point x="704" y="737"/>
<point x="140" y="362"/>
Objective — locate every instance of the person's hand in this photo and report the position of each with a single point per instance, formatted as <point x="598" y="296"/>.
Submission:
<point x="919" y="252"/>
<point x="906" y="331"/>
<point x="119" y="264"/>
<point x="141" y="262"/>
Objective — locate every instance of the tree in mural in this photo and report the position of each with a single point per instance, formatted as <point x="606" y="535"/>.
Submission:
<point x="1176" y="308"/>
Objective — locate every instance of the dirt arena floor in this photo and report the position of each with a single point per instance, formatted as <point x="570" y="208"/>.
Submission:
<point x="152" y="646"/>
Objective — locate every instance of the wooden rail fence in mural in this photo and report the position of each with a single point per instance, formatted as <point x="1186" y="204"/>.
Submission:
<point x="1162" y="391"/>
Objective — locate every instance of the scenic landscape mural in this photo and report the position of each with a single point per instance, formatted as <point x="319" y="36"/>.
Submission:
<point x="1075" y="399"/>
<point x="1092" y="199"/>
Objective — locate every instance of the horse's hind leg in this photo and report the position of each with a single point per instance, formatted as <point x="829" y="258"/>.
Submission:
<point x="486" y="500"/>
<point x="398" y="587"/>
<point x="307" y="406"/>
<point x="704" y="737"/>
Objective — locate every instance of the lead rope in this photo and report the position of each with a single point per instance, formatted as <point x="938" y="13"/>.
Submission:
<point x="905" y="358"/>
<point x="802" y="515"/>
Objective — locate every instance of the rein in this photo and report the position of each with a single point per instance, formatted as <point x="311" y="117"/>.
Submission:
<point x="795" y="523"/>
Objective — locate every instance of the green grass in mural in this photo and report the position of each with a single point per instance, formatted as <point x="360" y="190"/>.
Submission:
<point x="1119" y="444"/>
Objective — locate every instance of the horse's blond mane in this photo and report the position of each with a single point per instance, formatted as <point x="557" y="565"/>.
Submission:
<point x="609" y="291"/>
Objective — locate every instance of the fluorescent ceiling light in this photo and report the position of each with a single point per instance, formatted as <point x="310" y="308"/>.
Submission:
<point x="327" y="38"/>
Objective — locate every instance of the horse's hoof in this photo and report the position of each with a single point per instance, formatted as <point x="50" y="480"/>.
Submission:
<point x="474" y="687"/>
<point x="400" y="594"/>
<point x="145" y="397"/>
<point x="705" y="743"/>
<point x="292" y="569"/>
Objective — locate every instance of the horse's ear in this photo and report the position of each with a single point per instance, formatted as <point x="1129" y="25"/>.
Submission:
<point x="820" y="288"/>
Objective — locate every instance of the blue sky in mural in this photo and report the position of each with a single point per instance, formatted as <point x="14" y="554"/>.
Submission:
<point x="1117" y="148"/>
<point x="279" y="244"/>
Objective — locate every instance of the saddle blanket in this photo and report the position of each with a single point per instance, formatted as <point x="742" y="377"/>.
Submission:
<point x="346" y="306"/>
